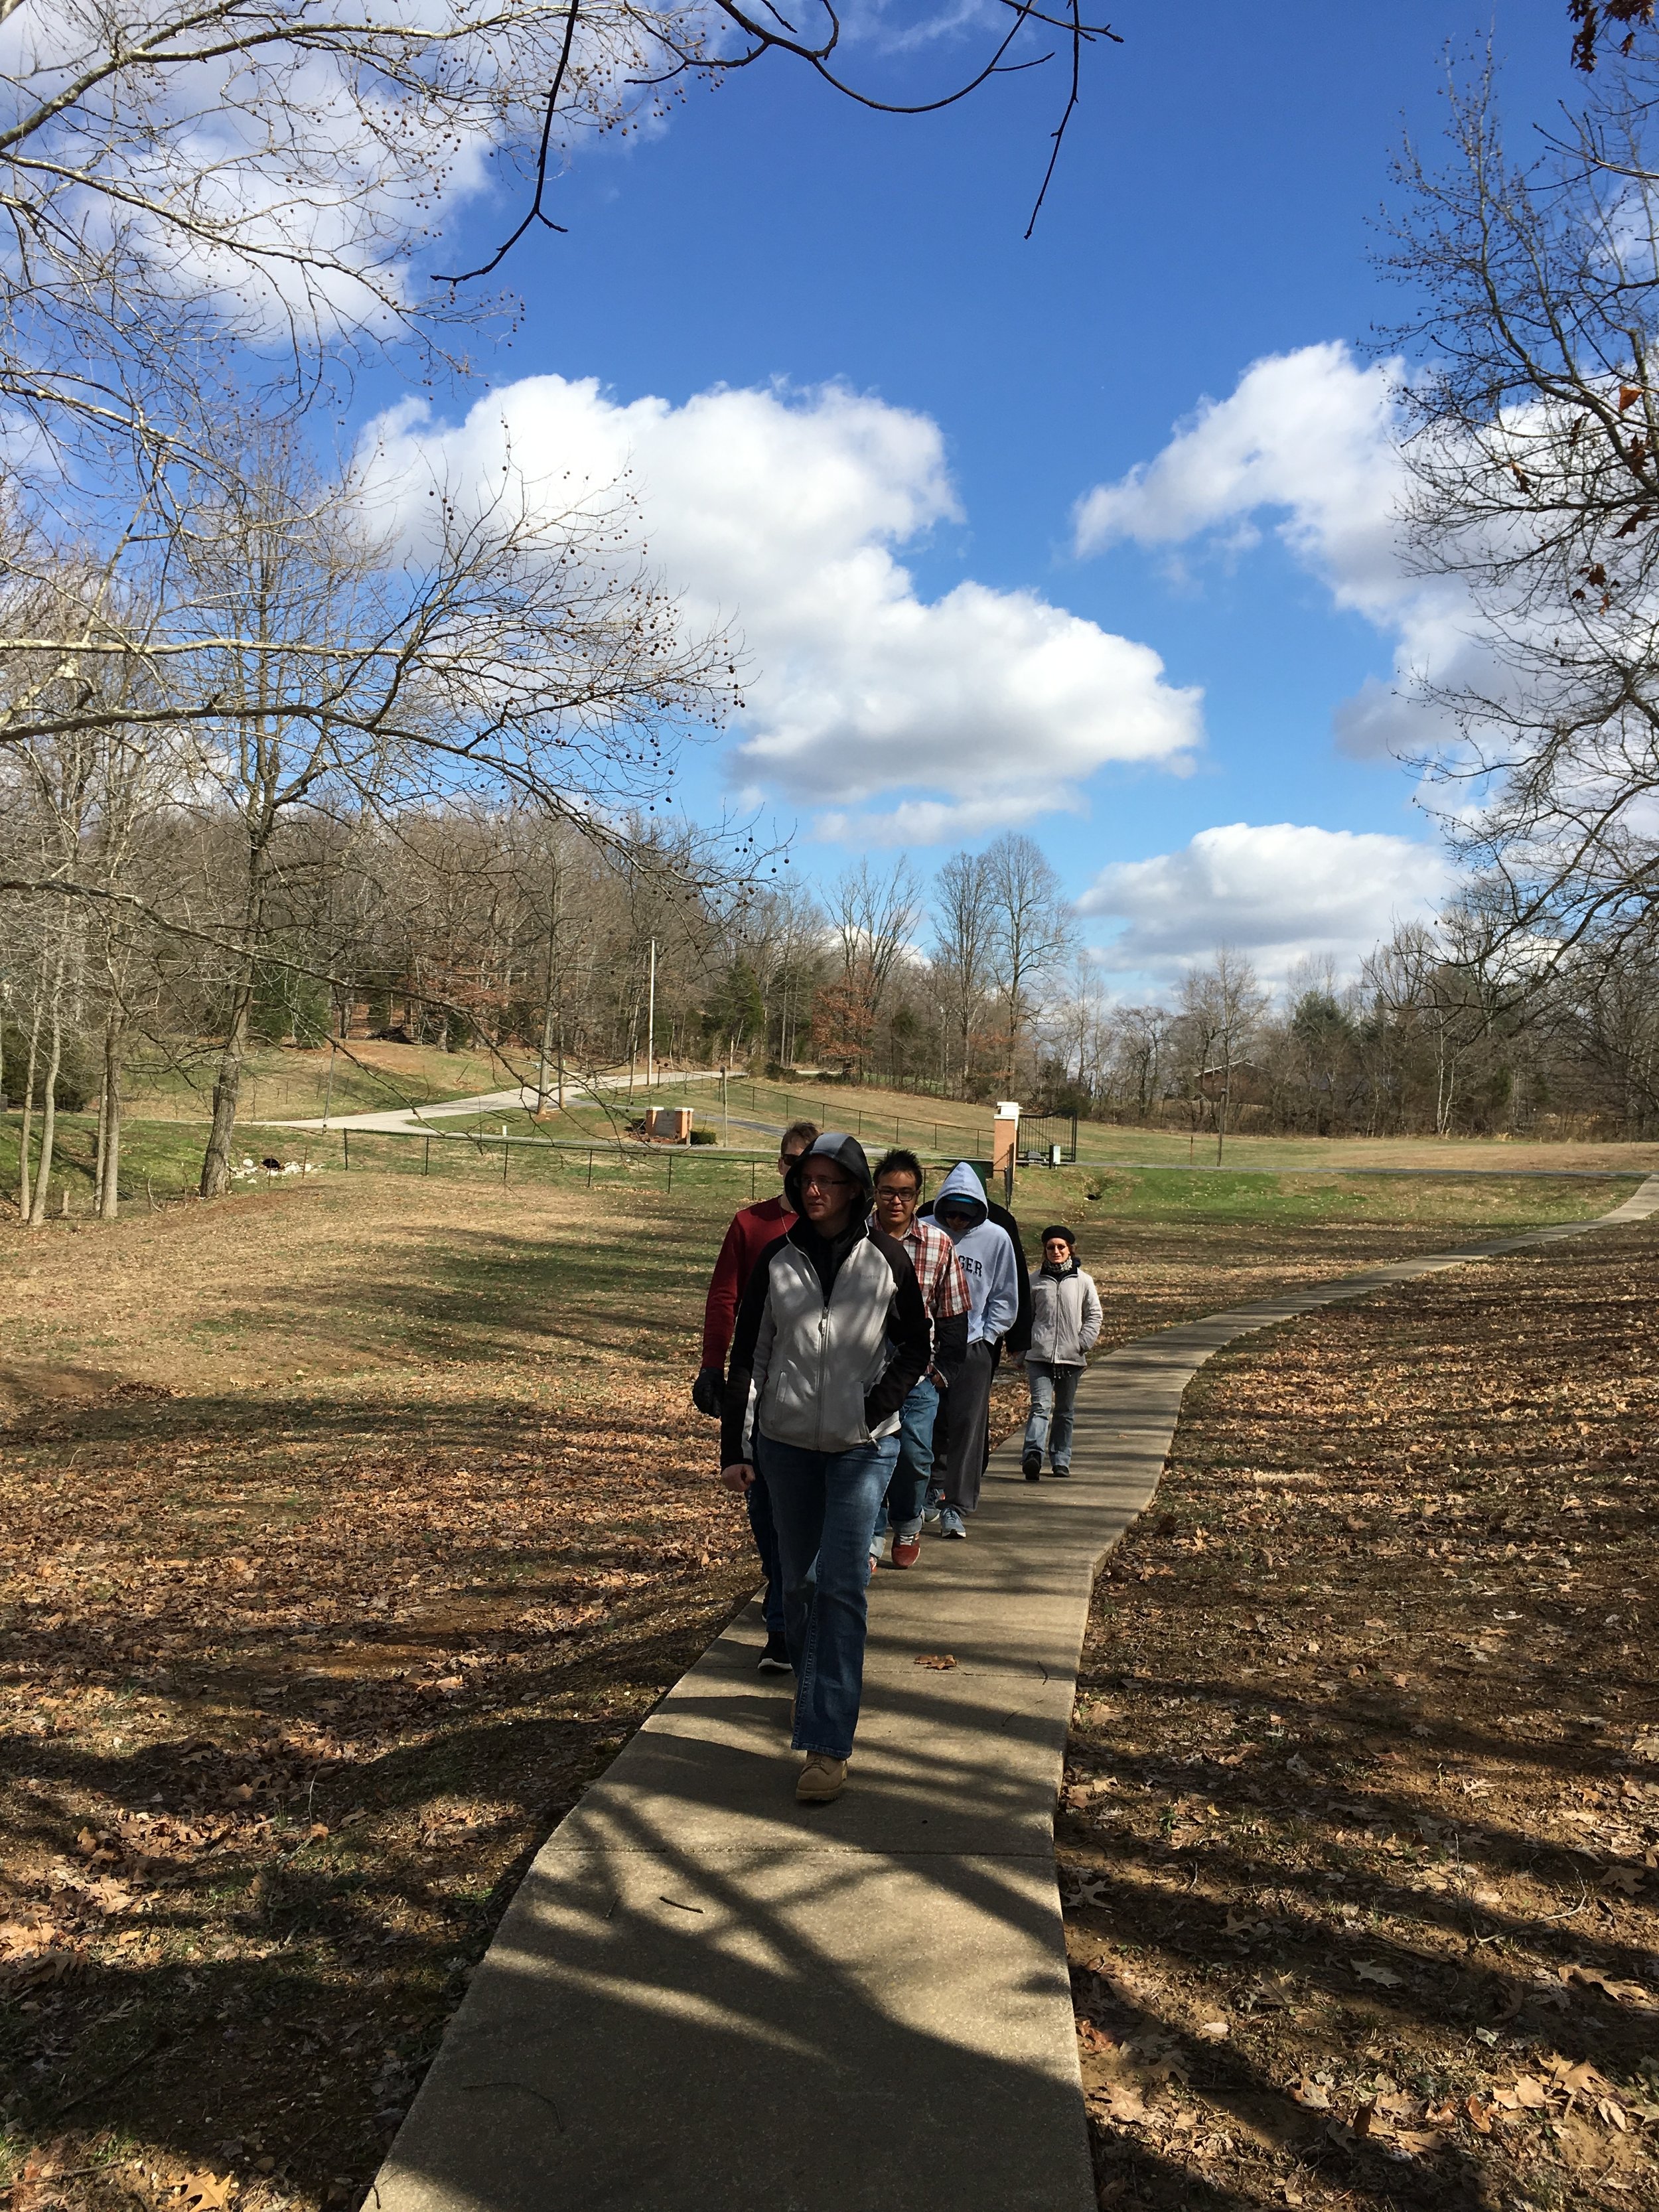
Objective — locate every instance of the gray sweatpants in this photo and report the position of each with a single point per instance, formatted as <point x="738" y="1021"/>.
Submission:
<point x="960" y="1466"/>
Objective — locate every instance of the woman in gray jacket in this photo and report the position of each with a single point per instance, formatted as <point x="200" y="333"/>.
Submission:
<point x="832" y="1334"/>
<point x="1065" y="1325"/>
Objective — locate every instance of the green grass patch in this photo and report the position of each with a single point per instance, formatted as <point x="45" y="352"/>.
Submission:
<point x="1488" y="1203"/>
<point x="285" y="1082"/>
<point x="158" y="1158"/>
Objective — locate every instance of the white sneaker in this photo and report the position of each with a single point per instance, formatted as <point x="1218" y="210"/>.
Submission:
<point x="950" y="1522"/>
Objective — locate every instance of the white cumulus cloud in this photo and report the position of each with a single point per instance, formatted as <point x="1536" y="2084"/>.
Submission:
<point x="1312" y="437"/>
<point x="785" y="513"/>
<point x="1277" y="891"/>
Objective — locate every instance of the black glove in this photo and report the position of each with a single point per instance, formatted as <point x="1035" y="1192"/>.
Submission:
<point x="708" y="1392"/>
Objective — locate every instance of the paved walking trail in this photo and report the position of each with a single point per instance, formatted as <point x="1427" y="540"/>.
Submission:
<point x="404" y="1121"/>
<point x="705" y="1999"/>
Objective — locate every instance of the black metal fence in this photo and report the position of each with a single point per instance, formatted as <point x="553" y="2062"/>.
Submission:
<point x="1041" y="1133"/>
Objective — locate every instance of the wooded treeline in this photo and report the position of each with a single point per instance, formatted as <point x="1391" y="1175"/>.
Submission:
<point x="521" y="932"/>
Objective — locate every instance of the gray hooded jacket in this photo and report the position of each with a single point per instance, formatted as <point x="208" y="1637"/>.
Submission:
<point x="831" y="1335"/>
<point x="987" y="1254"/>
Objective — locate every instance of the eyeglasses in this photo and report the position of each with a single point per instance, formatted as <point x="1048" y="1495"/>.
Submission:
<point x="906" y="1191"/>
<point x="816" y="1179"/>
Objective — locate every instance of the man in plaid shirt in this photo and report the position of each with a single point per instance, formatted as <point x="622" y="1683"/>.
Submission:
<point x="944" y="1294"/>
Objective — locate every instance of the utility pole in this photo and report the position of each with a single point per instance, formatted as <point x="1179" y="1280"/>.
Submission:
<point x="1226" y="1102"/>
<point x="547" y="1026"/>
<point x="725" y="1124"/>
<point x="552" y="1007"/>
<point x="650" y="1024"/>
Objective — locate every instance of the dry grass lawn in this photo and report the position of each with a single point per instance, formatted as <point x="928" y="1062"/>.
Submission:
<point x="1362" y="1811"/>
<point x="345" y="1532"/>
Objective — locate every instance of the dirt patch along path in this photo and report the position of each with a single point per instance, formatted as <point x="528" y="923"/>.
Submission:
<point x="1362" y="1795"/>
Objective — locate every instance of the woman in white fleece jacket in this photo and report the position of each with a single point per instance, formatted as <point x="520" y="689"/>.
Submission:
<point x="1065" y="1326"/>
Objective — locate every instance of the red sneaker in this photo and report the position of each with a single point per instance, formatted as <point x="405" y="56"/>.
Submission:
<point x="906" y="1551"/>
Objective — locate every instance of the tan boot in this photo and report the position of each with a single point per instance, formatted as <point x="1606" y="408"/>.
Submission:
<point x="820" y="1779"/>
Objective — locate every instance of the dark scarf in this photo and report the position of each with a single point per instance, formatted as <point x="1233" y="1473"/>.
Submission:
<point x="1060" y="1273"/>
<point x="827" y="1253"/>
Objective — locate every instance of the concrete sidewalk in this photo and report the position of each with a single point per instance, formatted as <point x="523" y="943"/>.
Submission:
<point x="704" y="1998"/>
<point x="407" y="1121"/>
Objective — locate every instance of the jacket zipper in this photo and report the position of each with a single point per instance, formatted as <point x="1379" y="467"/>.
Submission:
<point x="823" y="1357"/>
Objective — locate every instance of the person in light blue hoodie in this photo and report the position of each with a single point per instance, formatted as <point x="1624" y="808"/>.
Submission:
<point x="991" y="1268"/>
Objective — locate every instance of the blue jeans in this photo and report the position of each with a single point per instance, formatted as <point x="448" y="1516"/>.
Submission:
<point x="766" y="1543"/>
<point x="908" y="1491"/>
<point x="1053" y="1392"/>
<point x="824" y="1506"/>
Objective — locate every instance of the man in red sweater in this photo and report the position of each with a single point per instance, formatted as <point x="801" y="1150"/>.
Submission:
<point x="752" y="1232"/>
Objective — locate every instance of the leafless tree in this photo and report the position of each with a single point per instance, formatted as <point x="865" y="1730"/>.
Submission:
<point x="316" y="659"/>
<point x="1143" y="1039"/>
<point x="202" y="177"/>
<point x="961" y="949"/>
<point x="205" y="175"/>
<point x="1419" y="980"/>
<point x="874" y="918"/>
<point x="1533" y="486"/>
<point x="1082" y="1029"/>
<point x="1032" y="934"/>
<point x="1601" y="1026"/>
<point x="1222" y="1004"/>
<point x="687" y="50"/>
<point x="60" y="780"/>
<point x="84" y="793"/>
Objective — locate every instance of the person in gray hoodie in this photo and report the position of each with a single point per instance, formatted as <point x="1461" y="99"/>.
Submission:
<point x="987" y="1255"/>
<point x="1065" y="1326"/>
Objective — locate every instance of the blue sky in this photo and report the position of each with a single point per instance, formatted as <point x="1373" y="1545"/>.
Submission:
<point x="1210" y="211"/>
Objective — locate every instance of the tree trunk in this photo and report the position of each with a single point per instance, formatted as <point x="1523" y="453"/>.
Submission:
<point x="25" y="1182"/>
<point x="227" y="1084"/>
<point x="99" y="1139"/>
<point x="226" y="1090"/>
<point x="1444" y="1084"/>
<point x="109" y="1150"/>
<point x="49" y="1103"/>
<point x="1226" y="1102"/>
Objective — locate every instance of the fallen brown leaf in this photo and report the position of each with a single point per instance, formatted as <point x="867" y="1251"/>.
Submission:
<point x="209" y="2192"/>
<point x="1622" y="1993"/>
<point x="1367" y="1969"/>
<point x="1419" y="2142"/>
